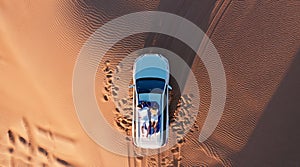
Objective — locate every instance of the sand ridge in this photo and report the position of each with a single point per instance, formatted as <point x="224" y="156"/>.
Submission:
<point x="39" y="43"/>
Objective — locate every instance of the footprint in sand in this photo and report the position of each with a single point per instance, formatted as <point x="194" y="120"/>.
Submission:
<point x="30" y="150"/>
<point x="184" y="116"/>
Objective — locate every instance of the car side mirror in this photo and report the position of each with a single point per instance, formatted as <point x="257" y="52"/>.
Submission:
<point x="131" y="86"/>
<point x="169" y="87"/>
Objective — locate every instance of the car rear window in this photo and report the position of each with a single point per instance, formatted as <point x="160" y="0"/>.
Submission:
<point x="150" y="85"/>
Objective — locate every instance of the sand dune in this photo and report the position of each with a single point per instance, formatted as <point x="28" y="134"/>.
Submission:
<point x="257" y="41"/>
<point x="39" y="45"/>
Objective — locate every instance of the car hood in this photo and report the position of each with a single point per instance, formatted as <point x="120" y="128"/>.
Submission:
<point x="151" y="66"/>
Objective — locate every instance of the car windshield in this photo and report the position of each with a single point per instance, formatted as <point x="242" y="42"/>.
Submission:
<point x="150" y="85"/>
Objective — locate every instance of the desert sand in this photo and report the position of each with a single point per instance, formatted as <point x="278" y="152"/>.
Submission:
<point x="259" y="45"/>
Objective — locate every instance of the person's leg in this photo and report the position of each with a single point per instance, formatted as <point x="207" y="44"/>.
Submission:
<point x="155" y="127"/>
<point x="142" y="129"/>
<point x="148" y="129"/>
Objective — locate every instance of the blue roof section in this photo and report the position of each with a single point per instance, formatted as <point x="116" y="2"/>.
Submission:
<point x="151" y="72"/>
<point x="151" y="65"/>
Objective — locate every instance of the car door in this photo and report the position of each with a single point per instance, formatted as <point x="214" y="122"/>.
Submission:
<point x="165" y="116"/>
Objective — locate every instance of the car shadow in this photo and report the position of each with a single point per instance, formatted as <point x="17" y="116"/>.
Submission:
<point x="199" y="13"/>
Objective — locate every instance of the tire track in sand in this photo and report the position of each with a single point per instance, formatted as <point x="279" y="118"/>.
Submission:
<point x="163" y="159"/>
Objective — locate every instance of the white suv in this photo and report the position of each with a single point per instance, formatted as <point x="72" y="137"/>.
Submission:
<point x="150" y="101"/>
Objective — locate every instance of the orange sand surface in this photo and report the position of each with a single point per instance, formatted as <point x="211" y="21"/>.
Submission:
<point x="259" y="45"/>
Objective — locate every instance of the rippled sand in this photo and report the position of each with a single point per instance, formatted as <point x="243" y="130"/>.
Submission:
<point x="259" y="46"/>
